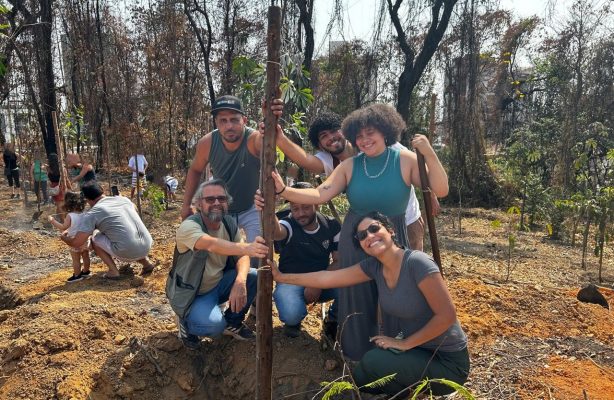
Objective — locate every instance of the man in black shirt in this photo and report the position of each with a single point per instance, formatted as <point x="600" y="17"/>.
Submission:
<point x="306" y="242"/>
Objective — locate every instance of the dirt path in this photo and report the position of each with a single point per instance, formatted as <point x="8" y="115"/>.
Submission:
<point x="529" y="338"/>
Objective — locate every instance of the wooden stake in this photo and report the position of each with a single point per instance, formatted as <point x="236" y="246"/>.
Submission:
<point x="428" y="209"/>
<point x="264" y="303"/>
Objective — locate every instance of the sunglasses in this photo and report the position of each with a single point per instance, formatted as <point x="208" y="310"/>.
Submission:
<point x="212" y="199"/>
<point x="373" y="228"/>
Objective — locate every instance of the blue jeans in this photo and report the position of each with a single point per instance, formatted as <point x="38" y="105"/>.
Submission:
<point x="249" y="220"/>
<point x="290" y="303"/>
<point x="205" y="317"/>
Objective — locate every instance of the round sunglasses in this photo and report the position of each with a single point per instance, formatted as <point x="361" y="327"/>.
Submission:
<point x="373" y="228"/>
<point x="212" y="199"/>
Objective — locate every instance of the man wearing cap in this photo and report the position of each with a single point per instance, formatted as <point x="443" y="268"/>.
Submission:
<point x="333" y="148"/>
<point x="233" y="152"/>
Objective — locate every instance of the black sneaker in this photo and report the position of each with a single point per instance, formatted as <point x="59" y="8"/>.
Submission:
<point x="241" y="332"/>
<point x="74" y="278"/>
<point x="191" y="342"/>
<point x="329" y="329"/>
<point x="85" y="274"/>
<point x="292" y="331"/>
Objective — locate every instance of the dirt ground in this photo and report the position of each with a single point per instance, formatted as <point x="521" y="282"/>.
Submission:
<point x="530" y="338"/>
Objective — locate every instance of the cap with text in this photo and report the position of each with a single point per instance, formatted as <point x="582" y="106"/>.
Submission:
<point x="231" y="103"/>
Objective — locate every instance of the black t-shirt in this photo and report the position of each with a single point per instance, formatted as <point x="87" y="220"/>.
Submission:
<point x="305" y="251"/>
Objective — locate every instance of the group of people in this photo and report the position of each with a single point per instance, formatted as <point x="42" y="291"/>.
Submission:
<point x="370" y="265"/>
<point x="111" y="226"/>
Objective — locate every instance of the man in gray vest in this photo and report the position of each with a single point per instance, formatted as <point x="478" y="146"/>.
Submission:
<point x="233" y="151"/>
<point x="204" y="243"/>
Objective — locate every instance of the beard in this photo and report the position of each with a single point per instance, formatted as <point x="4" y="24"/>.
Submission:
<point x="214" y="215"/>
<point x="338" y="150"/>
<point x="307" y="222"/>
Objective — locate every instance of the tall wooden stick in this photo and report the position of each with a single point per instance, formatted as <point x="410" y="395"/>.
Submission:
<point x="264" y="319"/>
<point x="428" y="209"/>
<point x="58" y="145"/>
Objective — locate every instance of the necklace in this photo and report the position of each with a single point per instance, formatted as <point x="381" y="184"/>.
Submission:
<point x="364" y="165"/>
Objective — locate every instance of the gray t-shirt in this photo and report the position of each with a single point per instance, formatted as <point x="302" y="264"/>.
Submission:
<point x="407" y="302"/>
<point x="117" y="219"/>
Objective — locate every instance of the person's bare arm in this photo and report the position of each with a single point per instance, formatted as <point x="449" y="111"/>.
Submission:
<point x="199" y="163"/>
<point x="438" y="178"/>
<point x="322" y="279"/>
<point x="215" y="245"/>
<point x="238" y="293"/>
<point x="332" y="186"/>
<point x="280" y="233"/>
<point x="78" y="241"/>
<point x="59" y="226"/>
<point x="297" y="154"/>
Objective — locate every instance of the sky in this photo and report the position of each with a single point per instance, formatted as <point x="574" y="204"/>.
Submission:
<point x="359" y="16"/>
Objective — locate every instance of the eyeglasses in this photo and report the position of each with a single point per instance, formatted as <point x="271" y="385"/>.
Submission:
<point x="212" y="199"/>
<point x="373" y="228"/>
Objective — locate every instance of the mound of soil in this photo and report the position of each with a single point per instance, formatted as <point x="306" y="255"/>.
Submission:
<point x="97" y="339"/>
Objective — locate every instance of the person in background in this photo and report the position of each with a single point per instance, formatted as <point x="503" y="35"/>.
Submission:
<point x="138" y="166"/>
<point x="80" y="170"/>
<point x="11" y="169"/>
<point x="38" y="172"/>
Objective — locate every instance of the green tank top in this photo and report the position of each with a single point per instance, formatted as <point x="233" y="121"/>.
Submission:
<point x="377" y="184"/>
<point x="239" y="169"/>
<point x="39" y="175"/>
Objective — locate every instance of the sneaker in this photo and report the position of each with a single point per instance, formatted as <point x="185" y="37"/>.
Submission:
<point x="329" y="329"/>
<point x="292" y="331"/>
<point x="191" y="342"/>
<point x="85" y="274"/>
<point x="241" y="332"/>
<point x="74" y="278"/>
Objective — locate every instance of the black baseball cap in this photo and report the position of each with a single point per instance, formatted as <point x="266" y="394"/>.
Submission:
<point x="227" y="102"/>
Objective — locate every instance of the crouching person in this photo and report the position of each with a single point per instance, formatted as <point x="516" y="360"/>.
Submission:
<point x="306" y="241"/>
<point x="211" y="265"/>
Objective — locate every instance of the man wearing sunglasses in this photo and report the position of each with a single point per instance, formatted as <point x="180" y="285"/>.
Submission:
<point x="325" y="135"/>
<point x="233" y="152"/>
<point x="211" y="252"/>
<point x="306" y="241"/>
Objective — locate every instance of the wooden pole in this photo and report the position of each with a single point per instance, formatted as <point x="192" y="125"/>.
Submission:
<point x="428" y="209"/>
<point x="264" y="319"/>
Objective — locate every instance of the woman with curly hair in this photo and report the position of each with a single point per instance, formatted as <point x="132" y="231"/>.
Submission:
<point x="377" y="179"/>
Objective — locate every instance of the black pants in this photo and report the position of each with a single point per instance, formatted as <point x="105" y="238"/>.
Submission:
<point x="13" y="176"/>
<point x="43" y="188"/>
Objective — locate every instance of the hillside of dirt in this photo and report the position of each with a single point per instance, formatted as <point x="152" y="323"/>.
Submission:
<point x="530" y="338"/>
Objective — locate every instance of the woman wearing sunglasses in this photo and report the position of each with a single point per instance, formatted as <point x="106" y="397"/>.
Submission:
<point x="377" y="179"/>
<point x="428" y="341"/>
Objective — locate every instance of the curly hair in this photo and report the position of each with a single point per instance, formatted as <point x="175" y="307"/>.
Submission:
<point x="325" y="121"/>
<point x="74" y="202"/>
<point x="382" y="117"/>
<point x="382" y="219"/>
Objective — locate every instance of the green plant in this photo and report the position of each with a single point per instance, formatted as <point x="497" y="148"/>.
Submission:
<point x="155" y="199"/>
<point x="338" y="387"/>
<point x="425" y="384"/>
<point x="512" y="223"/>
